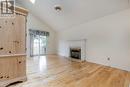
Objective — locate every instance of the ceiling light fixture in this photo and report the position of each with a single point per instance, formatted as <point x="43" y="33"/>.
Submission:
<point x="57" y="8"/>
<point x="32" y="1"/>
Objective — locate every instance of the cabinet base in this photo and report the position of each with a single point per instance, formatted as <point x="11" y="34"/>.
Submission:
<point x="8" y="82"/>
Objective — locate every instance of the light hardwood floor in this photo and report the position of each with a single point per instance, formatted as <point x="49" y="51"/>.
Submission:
<point x="56" y="71"/>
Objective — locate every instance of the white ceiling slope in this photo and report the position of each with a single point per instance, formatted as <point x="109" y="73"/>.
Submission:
<point x="73" y="12"/>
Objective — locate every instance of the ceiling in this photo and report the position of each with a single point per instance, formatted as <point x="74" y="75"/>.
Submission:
<point x="74" y="12"/>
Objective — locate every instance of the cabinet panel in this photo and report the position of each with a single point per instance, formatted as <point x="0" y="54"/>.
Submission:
<point x="20" y="37"/>
<point x="21" y="66"/>
<point x="2" y="34"/>
<point x="6" y="36"/>
<point x="13" y="35"/>
<point x="2" y="69"/>
<point x="13" y="68"/>
<point x="10" y="36"/>
<point x="8" y="68"/>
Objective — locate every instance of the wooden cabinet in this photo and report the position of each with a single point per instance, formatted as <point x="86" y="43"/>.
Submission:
<point x="13" y="48"/>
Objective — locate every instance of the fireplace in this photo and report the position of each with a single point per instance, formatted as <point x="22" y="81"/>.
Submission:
<point x="75" y="53"/>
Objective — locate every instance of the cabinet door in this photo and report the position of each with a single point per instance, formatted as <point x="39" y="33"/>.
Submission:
<point x="21" y="66"/>
<point x="13" y="35"/>
<point x="3" y="69"/>
<point x="2" y="36"/>
<point x="12" y="68"/>
<point x="9" y="44"/>
<point x="20" y="33"/>
<point x="6" y="36"/>
<point x="8" y="68"/>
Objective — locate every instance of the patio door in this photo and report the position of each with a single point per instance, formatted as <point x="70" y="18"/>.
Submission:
<point x="38" y="43"/>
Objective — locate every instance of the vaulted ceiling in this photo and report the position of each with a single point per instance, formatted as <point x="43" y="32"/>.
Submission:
<point x="73" y="12"/>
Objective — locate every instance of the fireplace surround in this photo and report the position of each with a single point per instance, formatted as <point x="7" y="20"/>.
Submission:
<point x="77" y="49"/>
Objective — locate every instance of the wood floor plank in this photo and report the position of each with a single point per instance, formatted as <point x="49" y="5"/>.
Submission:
<point x="57" y="71"/>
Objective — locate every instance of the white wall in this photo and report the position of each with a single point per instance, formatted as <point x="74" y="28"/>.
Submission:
<point x="35" y="23"/>
<point x="108" y="36"/>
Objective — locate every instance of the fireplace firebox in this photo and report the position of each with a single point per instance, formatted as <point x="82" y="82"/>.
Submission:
<point x="75" y="53"/>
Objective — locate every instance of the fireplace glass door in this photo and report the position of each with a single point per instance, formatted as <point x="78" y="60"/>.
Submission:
<point x="75" y="53"/>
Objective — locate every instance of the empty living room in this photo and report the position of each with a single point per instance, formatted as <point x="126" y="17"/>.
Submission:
<point x="64" y="43"/>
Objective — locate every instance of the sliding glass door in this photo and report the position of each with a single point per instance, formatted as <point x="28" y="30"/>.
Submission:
<point x="38" y="44"/>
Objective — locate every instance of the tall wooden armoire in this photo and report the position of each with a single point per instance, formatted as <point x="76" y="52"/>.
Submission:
<point x="13" y="48"/>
